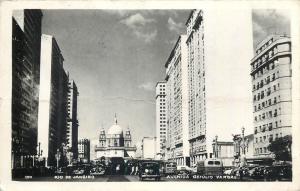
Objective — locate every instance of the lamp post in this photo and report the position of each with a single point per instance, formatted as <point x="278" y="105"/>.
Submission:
<point x="216" y="146"/>
<point x="241" y="145"/>
<point x="39" y="153"/>
<point x="244" y="142"/>
<point x="57" y="158"/>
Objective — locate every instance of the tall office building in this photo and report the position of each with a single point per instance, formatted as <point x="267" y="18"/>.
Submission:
<point x="72" y="125"/>
<point x="26" y="45"/>
<point x="218" y="81"/>
<point x="149" y="148"/>
<point x="53" y="114"/>
<point x="177" y="147"/>
<point x="161" y="125"/>
<point x="271" y="74"/>
<point x="84" y="150"/>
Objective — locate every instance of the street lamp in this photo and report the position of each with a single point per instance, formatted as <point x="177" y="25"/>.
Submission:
<point x="244" y="142"/>
<point x="57" y="158"/>
<point x="241" y="145"/>
<point x="216" y="146"/>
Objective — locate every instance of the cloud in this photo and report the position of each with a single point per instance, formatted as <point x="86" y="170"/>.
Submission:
<point x="148" y="37"/>
<point x="147" y="86"/>
<point x="138" y="24"/>
<point x="269" y="21"/>
<point x="173" y="26"/>
<point x="137" y="20"/>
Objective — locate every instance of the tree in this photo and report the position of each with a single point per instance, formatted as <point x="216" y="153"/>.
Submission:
<point x="282" y="148"/>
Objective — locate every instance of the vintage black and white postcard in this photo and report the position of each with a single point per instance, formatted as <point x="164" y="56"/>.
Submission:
<point x="165" y="94"/>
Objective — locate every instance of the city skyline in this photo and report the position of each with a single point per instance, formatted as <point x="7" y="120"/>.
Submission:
<point x="150" y="36"/>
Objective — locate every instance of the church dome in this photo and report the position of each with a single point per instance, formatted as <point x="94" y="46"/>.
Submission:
<point x="115" y="129"/>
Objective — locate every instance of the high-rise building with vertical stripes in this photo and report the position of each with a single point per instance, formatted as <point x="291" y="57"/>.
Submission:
<point x="161" y="124"/>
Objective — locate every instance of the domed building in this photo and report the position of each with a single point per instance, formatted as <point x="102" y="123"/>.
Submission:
<point x="115" y="143"/>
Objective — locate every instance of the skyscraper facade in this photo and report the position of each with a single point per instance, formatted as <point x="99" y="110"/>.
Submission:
<point x="72" y="125"/>
<point x="271" y="74"/>
<point x="161" y="118"/>
<point x="217" y="82"/>
<point x="177" y="145"/>
<point x="26" y="45"/>
<point x="53" y="113"/>
<point x="84" y="150"/>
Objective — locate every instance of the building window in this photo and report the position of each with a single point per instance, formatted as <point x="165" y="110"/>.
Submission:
<point x="271" y="138"/>
<point x="270" y="126"/>
<point x="275" y="113"/>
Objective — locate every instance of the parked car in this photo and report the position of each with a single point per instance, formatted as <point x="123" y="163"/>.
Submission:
<point x="97" y="170"/>
<point x="184" y="170"/>
<point x="149" y="170"/>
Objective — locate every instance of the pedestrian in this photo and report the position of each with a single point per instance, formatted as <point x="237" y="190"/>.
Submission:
<point x="136" y="170"/>
<point x="132" y="170"/>
<point x="241" y="173"/>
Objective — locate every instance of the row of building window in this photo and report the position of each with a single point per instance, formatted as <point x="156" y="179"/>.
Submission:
<point x="266" y="115"/>
<point x="265" y="104"/>
<point x="261" y="150"/>
<point x="265" y="69"/>
<point x="269" y="138"/>
<point x="265" y="127"/>
<point x="267" y="92"/>
<point x="264" y="46"/>
<point x="266" y="81"/>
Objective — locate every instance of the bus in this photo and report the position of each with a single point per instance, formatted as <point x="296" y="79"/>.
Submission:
<point x="168" y="167"/>
<point x="210" y="167"/>
<point x="149" y="169"/>
<point x="116" y="165"/>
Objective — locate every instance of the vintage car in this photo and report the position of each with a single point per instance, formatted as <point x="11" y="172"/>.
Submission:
<point x="149" y="170"/>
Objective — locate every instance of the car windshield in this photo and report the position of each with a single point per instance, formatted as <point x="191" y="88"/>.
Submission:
<point x="217" y="163"/>
<point x="171" y="165"/>
<point x="150" y="165"/>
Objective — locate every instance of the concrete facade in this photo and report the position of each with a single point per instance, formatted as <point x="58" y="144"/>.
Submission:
<point x="84" y="150"/>
<point x="177" y="147"/>
<point x="149" y="148"/>
<point x="161" y="118"/>
<point x="72" y="125"/>
<point x="26" y="45"/>
<point x="218" y="81"/>
<point x="271" y="74"/>
<point x="53" y="115"/>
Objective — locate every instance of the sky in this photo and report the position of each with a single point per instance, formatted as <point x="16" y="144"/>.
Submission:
<point x="117" y="56"/>
<point x="269" y="21"/>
